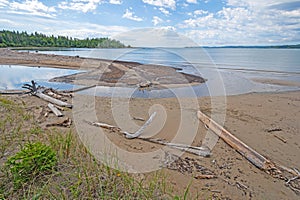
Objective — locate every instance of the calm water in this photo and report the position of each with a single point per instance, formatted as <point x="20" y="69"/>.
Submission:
<point x="228" y="70"/>
<point x="280" y="60"/>
<point x="14" y="76"/>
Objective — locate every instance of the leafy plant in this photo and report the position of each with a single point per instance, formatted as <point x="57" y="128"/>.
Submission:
<point x="33" y="160"/>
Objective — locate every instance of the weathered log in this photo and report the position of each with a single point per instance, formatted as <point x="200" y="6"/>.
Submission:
<point x="141" y="130"/>
<point x="254" y="157"/>
<point x="52" y="100"/>
<point x="127" y="135"/>
<point x="55" y="110"/>
<point x="251" y="155"/>
<point x="199" y="151"/>
<point x="281" y="138"/>
<point x="138" y="119"/>
<point x="79" y="89"/>
<point x="14" y="92"/>
<point x="65" y="122"/>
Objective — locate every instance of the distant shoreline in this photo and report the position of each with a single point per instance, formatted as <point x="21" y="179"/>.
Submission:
<point x="296" y="46"/>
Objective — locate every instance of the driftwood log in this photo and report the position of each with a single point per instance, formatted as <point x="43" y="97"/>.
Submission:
<point x="251" y="155"/>
<point x="47" y="98"/>
<point x="127" y="135"/>
<point x="36" y="91"/>
<point x="79" y="89"/>
<point x="200" y="151"/>
<point x="54" y="110"/>
<point x="254" y="157"/>
<point x="141" y="130"/>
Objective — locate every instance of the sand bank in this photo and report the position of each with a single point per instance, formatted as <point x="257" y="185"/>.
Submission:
<point x="100" y="71"/>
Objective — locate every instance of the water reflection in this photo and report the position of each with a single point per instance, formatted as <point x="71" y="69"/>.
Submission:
<point x="14" y="76"/>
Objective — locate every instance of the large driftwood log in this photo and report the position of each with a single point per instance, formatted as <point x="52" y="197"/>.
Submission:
<point x="255" y="158"/>
<point x="55" y="110"/>
<point x="52" y="100"/>
<point x="37" y="91"/>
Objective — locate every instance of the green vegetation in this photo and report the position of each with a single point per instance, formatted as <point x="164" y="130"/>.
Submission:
<point x="33" y="160"/>
<point x="24" y="39"/>
<point x="38" y="163"/>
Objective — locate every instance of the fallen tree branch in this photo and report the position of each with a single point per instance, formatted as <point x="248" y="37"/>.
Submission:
<point x="127" y="135"/>
<point x="140" y="131"/>
<point x="200" y="151"/>
<point x="79" y="89"/>
<point x="66" y="122"/>
<point x="280" y="138"/>
<point x="251" y="155"/>
<point x="52" y="100"/>
<point x="54" y="110"/>
<point x="36" y="91"/>
<point x="13" y="92"/>
<point x="255" y="158"/>
<point x="138" y="119"/>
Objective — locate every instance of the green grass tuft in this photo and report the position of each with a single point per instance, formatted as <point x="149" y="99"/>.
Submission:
<point x="33" y="160"/>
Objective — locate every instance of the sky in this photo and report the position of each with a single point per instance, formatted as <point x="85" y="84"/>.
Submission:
<point x="160" y="22"/>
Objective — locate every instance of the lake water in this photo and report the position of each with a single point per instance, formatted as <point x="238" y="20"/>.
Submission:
<point x="229" y="70"/>
<point x="14" y="76"/>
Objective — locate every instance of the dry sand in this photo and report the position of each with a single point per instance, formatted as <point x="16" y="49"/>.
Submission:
<point x="253" y="118"/>
<point x="249" y="117"/>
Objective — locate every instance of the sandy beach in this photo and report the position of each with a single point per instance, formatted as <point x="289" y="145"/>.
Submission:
<point x="267" y="122"/>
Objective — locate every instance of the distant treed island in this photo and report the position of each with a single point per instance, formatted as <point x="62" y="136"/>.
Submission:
<point x="24" y="39"/>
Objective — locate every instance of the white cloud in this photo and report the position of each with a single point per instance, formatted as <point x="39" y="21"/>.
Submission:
<point x="191" y="1"/>
<point x="162" y="3"/>
<point x="154" y="37"/>
<point x="32" y="7"/>
<point x="3" y="3"/>
<point x="118" y="2"/>
<point x="244" y="25"/>
<point x="156" y="20"/>
<point x="130" y="15"/>
<point x="55" y="26"/>
<point x="164" y="11"/>
<point x="256" y="3"/>
<point x="200" y="12"/>
<point x="80" y="5"/>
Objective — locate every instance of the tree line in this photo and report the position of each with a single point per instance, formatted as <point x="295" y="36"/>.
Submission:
<point x="24" y="39"/>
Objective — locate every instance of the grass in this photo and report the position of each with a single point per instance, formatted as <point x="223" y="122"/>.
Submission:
<point x="73" y="173"/>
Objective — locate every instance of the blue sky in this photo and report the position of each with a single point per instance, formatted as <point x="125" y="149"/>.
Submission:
<point x="204" y="22"/>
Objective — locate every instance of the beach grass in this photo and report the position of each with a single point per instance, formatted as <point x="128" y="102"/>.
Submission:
<point x="76" y="173"/>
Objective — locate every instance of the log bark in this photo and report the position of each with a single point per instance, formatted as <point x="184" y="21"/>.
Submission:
<point x="251" y="155"/>
<point x="52" y="100"/>
<point x="55" y="110"/>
